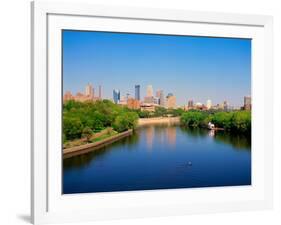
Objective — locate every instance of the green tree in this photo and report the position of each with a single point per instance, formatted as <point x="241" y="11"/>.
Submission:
<point x="87" y="133"/>
<point x="238" y="121"/>
<point x="125" y="121"/>
<point x="242" y="121"/>
<point x="223" y="119"/>
<point x="121" y="123"/>
<point x="193" y="118"/>
<point x="143" y="114"/>
<point x="72" y="128"/>
<point x="160" y="111"/>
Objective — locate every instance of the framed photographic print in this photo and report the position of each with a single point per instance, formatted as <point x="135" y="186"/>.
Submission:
<point x="148" y="112"/>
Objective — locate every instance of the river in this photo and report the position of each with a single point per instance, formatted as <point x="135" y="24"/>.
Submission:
<point x="162" y="157"/>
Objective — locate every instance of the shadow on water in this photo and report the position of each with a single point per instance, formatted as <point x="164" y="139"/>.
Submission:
<point x="85" y="159"/>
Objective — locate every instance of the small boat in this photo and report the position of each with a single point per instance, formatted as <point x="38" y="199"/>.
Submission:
<point x="211" y="126"/>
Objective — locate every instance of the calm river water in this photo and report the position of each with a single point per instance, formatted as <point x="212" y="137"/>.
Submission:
<point x="162" y="156"/>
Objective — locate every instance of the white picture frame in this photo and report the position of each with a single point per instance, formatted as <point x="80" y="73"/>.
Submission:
<point x="49" y="205"/>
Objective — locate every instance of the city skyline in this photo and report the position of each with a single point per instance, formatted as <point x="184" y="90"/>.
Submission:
<point x="187" y="71"/>
<point x="157" y="97"/>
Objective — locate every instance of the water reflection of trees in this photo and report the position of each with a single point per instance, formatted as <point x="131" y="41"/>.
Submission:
<point x="238" y="141"/>
<point x="84" y="160"/>
<point x="194" y="132"/>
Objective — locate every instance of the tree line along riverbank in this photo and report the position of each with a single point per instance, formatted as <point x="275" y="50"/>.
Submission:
<point x="84" y="121"/>
<point x="235" y="121"/>
<point x="89" y="122"/>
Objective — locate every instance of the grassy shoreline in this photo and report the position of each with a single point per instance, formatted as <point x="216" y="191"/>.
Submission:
<point x="81" y="149"/>
<point x="108" y="132"/>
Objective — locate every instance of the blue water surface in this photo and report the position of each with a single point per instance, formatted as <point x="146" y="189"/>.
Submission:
<point x="162" y="157"/>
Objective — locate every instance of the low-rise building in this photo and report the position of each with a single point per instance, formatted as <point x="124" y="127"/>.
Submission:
<point x="133" y="103"/>
<point x="171" y="101"/>
<point x="147" y="107"/>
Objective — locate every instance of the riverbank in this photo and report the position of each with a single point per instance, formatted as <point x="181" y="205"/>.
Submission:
<point x="94" y="137"/>
<point x="158" y="120"/>
<point x="82" y="149"/>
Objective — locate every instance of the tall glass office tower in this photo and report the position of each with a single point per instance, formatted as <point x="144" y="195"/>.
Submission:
<point x="137" y="92"/>
<point x="116" y="96"/>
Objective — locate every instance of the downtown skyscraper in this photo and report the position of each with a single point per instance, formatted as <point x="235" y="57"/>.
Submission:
<point x="99" y="91"/>
<point x="149" y="91"/>
<point x="89" y="90"/>
<point x="149" y="98"/>
<point x="116" y="96"/>
<point x="160" y="95"/>
<point x="137" y="92"/>
<point x="247" y="103"/>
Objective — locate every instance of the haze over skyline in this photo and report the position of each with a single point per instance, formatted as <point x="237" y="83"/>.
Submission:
<point x="198" y="68"/>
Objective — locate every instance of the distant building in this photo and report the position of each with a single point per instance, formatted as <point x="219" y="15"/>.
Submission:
<point x="80" y="97"/>
<point x="88" y="95"/>
<point x="100" y="92"/>
<point x="190" y="104"/>
<point x="137" y="92"/>
<point x="216" y="107"/>
<point x="170" y="94"/>
<point x="67" y="96"/>
<point x="116" y="96"/>
<point x="156" y="101"/>
<point x="225" y="106"/>
<point x="148" y="107"/>
<point x="209" y="104"/>
<point x="171" y="101"/>
<point x="127" y="96"/>
<point x="148" y="99"/>
<point x="89" y="91"/>
<point x="198" y="105"/>
<point x="160" y="95"/>
<point x="149" y="91"/>
<point x="123" y="101"/>
<point x="247" y="103"/>
<point x="221" y="106"/>
<point x="133" y="103"/>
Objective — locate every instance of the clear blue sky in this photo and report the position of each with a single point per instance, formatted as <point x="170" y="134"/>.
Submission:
<point x="197" y="68"/>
